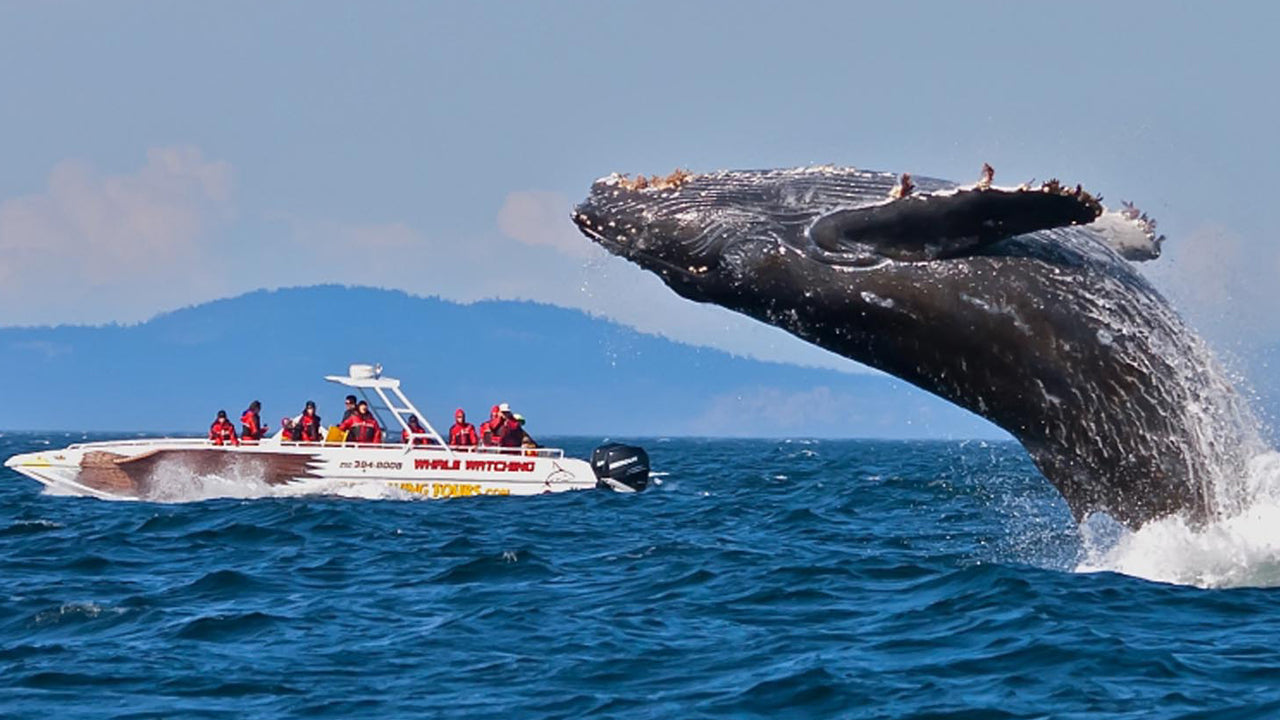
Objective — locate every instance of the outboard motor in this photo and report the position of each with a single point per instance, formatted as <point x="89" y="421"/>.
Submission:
<point x="624" y="468"/>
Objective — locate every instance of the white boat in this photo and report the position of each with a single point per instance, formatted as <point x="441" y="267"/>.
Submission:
<point x="147" y="469"/>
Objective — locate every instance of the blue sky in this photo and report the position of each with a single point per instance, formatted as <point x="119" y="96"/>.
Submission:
<point x="157" y="155"/>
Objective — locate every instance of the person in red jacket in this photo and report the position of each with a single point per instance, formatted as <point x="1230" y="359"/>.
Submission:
<point x="512" y="430"/>
<point x="251" y="422"/>
<point x="463" y="433"/>
<point x="526" y="440"/>
<point x="491" y="429"/>
<point x="307" y="429"/>
<point x="287" y="432"/>
<point x="362" y="426"/>
<point x="415" y="428"/>
<point x="350" y="407"/>
<point x="222" y="432"/>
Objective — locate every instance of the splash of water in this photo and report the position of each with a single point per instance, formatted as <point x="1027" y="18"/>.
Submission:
<point x="172" y="481"/>
<point x="1240" y="548"/>
<point x="1218" y="440"/>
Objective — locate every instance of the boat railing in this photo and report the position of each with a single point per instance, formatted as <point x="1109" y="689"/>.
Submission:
<point x="458" y="449"/>
<point x="401" y="447"/>
<point x="145" y="442"/>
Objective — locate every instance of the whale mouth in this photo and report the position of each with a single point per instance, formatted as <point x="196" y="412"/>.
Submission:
<point x="595" y="230"/>
<point x="648" y="222"/>
<point x="618" y="244"/>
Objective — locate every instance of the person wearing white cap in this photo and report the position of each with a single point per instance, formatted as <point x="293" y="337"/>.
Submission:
<point x="491" y="429"/>
<point x="508" y="435"/>
<point x="525" y="441"/>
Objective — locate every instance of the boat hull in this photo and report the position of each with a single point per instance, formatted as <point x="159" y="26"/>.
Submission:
<point x="169" y="469"/>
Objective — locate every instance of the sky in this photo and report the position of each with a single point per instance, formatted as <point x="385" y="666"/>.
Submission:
<point x="157" y="155"/>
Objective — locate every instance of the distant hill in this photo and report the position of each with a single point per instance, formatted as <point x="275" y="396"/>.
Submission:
<point x="568" y="372"/>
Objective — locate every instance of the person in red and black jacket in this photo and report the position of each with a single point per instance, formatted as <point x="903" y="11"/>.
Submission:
<point x="222" y="432"/>
<point x="512" y="435"/>
<point x="491" y="429"/>
<point x="307" y="429"/>
<point x="463" y="433"/>
<point x="415" y="428"/>
<point x="350" y="407"/>
<point x="362" y="427"/>
<point x="251" y="422"/>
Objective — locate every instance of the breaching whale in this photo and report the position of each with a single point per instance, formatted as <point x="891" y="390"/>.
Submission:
<point x="1018" y="304"/>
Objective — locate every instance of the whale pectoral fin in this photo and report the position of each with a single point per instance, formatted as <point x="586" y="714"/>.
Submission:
<point x="1130" y="232"/>
<point x="929" y="227"/>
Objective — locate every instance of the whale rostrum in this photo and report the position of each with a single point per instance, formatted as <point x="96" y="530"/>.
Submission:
<point x="1019" y="304"/>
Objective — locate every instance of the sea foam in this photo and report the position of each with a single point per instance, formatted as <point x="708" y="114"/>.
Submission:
<point x="1239" y="548"/>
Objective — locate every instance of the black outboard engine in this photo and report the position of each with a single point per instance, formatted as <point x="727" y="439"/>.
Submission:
<point x="624" y="468"/>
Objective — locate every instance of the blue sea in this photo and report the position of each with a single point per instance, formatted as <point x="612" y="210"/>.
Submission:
<point x="759" y="579"/>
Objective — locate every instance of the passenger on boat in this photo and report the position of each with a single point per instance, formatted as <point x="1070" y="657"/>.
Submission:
<point x="513" y="433"/>
<point x="525" y="441"/>
<point x="222" y="432"/>
<point x="251" y="422"/>
<point x="287" y="431"/>
<point x="463" y="433"/>
<point x="351" y="407"/>
<point x="307" y="429"/>
<point x="491" y="429"/>
<point x="362" y="427"/>
<point x="415" y="428"/>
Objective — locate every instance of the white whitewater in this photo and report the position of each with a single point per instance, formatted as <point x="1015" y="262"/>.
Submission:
<point x="1240" y="545"/>
<point x="1240" y="548"/>
<point x="174" y="482"/>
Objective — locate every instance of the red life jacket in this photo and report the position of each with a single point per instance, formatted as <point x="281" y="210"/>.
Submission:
<point x="463" y="435"/>
<point x="307" y="429"/>
<point x="362" y="429"/>
<point x="512" y="435"/>
<point x="222" y="432"/>
<point x="251" y="426"/>
<point x="491" y="431"/>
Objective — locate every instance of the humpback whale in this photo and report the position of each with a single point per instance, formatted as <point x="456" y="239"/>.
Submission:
<point x="1019" y="304"/>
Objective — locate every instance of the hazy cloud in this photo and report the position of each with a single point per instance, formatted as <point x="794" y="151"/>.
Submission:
<point x="386" y="237"/>
<point x="493" y="266"/>
<point x="114" y="247"/>
<point x="95" y="248"/>
<point x="1227" y="285"/>
<point x="538" y="217"/>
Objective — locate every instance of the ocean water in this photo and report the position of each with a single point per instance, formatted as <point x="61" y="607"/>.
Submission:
<point x="760" y="579"/>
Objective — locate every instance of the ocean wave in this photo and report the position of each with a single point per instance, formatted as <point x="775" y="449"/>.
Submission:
<point x="881" y="580"/>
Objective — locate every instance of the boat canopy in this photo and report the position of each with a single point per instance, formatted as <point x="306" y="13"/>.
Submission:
<point x="369" y="377"/>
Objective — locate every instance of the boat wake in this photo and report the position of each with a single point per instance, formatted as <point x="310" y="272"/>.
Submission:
<point x="1241" y="548"/>
<point x="194" y="488"/>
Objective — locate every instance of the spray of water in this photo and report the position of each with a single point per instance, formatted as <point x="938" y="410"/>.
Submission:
<point x="172" y="481"/>
<point x="1205" y="431"/>
<point x="1239" y="544"/>
<point x="1240" y="547"/>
